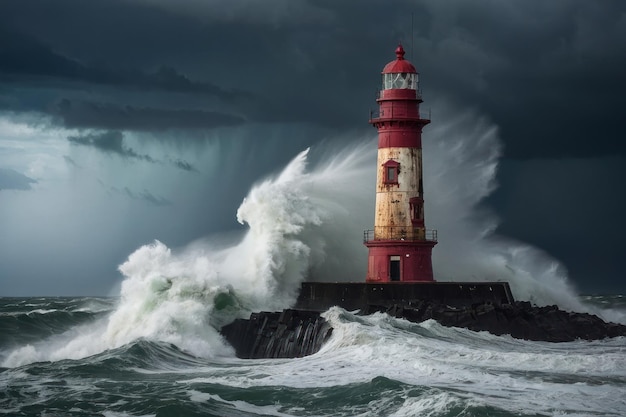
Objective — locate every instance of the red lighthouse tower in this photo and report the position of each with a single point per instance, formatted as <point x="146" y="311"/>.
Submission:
<point x="400" y="247"/>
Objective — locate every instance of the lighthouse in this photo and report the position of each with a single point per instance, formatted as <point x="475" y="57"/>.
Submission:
<point x="400" y="246"/>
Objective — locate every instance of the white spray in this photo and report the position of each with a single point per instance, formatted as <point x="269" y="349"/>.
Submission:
<point x="460" y="159"/>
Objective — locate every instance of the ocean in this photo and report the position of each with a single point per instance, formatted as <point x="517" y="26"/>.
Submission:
<point x="372" y="366"/>
<point x="154" y="349"/>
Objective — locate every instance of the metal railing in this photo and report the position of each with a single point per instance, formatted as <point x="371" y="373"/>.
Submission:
<point x="400" y="233"/>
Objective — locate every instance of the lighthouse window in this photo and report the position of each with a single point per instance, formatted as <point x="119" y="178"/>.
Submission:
<point x="416" y="206"/>
<point x="391" y="169"/>
<point x="417" y="212"/>
<point x="400" y="80"/>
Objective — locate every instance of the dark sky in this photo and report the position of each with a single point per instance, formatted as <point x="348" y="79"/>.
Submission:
<point x="124" y="121"/>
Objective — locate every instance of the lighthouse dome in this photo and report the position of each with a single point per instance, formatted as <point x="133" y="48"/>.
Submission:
<point x="400" y="74"/>
<point x="400" y="64"/>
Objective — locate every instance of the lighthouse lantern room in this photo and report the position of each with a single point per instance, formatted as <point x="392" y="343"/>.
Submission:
<point x="400" y="247"/>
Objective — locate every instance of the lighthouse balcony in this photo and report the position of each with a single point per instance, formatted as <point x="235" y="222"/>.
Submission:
<point x="399" y="234"/>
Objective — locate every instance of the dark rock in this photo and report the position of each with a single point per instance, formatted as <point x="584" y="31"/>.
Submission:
<point x="288" y="334"/>
<point x="520" y="319"/>
<point x="296" y="333"/>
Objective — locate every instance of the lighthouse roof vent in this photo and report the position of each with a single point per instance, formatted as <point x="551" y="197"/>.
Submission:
<point x="400" y="64"/>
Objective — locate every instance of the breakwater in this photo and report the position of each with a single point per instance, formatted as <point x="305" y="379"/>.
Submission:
<point x="476" y="306"/>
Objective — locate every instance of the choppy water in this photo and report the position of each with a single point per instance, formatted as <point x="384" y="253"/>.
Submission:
<point x="372" y="366"/>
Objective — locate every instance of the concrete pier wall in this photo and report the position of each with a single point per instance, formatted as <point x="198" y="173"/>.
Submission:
<point x="320" y="296"/>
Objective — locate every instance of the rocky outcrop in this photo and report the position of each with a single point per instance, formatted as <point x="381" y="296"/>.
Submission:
<point x="287" y="334"/>
<point x="520" y="319"/>
<point x="296" y="333"/>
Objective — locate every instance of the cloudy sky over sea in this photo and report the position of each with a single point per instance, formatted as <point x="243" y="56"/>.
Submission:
<point x="124" y="121"/>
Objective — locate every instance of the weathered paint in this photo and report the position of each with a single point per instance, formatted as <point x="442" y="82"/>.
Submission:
<point x="399" y="226"/>
<point x="392" y="200"/>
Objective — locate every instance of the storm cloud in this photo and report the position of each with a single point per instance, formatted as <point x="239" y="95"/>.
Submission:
<point x="170" y="110"/>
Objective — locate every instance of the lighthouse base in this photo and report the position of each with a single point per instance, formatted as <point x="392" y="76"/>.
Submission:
<point x="397" y="260"/>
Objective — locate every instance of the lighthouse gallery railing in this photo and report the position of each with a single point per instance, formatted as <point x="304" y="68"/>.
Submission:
<point x="399" y="233"/>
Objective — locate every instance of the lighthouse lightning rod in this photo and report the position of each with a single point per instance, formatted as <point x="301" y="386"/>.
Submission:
<point x="411" y="36"/>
